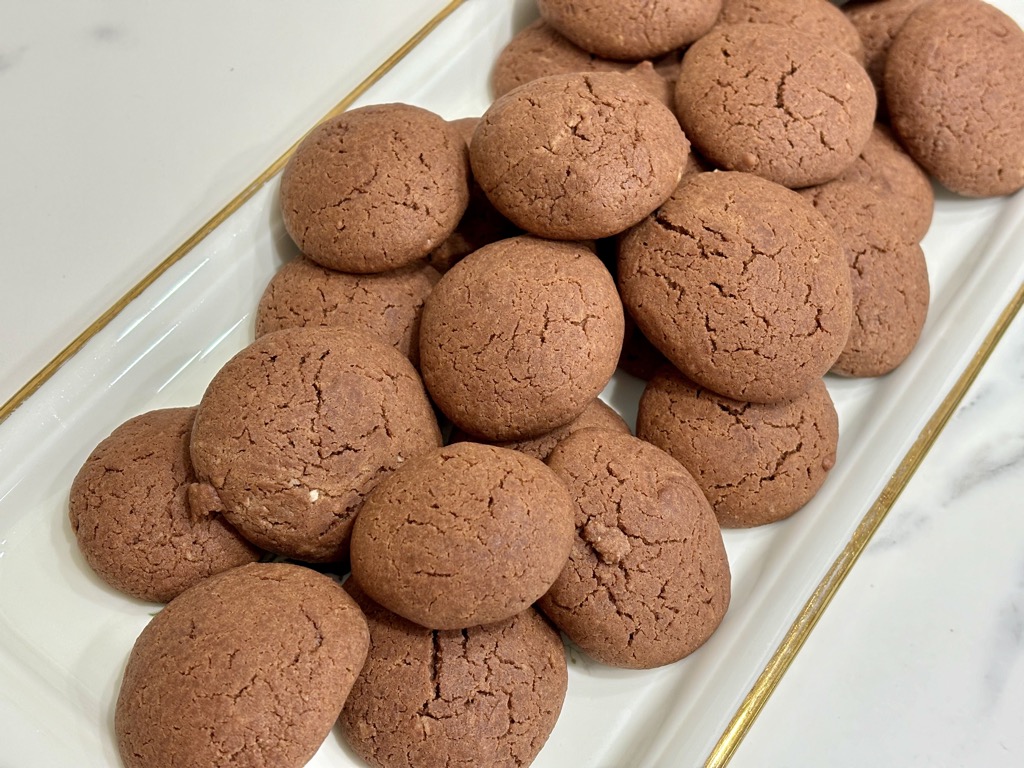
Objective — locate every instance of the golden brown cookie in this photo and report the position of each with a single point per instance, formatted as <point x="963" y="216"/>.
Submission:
<point x="741" y="284"/>
<point x="597" y="415"/>
<point x="630" y="29"/>
<point x="467" y="534"/>
<point x="579" y="156"/>
<point x="250" y="667"/>
<point x="386" y="304"/>
<point x="776" y="102"/>
<point x="648" y="579"/>
<point x="755" y="463"/>
<point x="888" y="273"/>
<point x="375" y="188"/>
<point x="818" y="18"/>
<point x="129" y="511"/>
<point x="953" y="86"/>
<point x="519" y="337"/>
<point x="482" y="696"/>
<point x="298" y="427"/>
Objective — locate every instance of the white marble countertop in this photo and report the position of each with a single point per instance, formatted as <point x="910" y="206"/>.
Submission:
<point x="125" y="126"/>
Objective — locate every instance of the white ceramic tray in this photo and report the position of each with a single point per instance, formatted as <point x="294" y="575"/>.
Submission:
<point x="64" y="635"/>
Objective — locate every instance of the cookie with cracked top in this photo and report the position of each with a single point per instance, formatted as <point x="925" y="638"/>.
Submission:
<point x="630" y="29"/>
<point x="741" y="284"/>
<point x="648" y="580"/>
<point x="953" y="87"/>
<point x="877" y="22"/>
<point x="597" y="415"/>
<point x="467" y="534"/>
<point x="129" y="511"/>
<point x="386" y="304"/>
<point x="578" y="156"/>
<point x="818" y="18"/>
<point x="776" y="102"/>
<point x="756" y="463"/>
<point x="520" y="336"/>
<point x="375" y="188"/>
<point x="888" y="274"/>
<point x="249" y="667"/>
<point x="483" y="696"/>
<point x="297" y="428"/>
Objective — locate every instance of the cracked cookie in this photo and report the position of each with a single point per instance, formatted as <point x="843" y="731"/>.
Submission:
<point x="520" y="336"/>
<point x="578" y="156"/>
<point x="297" y="428"/>
<point x="597" y="415"/>
<point x="877" y="22"/>
<point x="464" y="535"/>
<point x="129" y="511"/>
<point x="953" y="86"/>
<point x="890" y="172"/>
<point x="888" y="274"/>
<point x="755" y="463"/>
<point x="375" y="188"/>
<point x="818" y="18"/>
<point x="630" y="29"/>
<point x="483" y="696"/>
<point x="775" y="102"/>
<point x="741" y="284"/>
<point x="648" y="580"/>
<point x="250" y="667"/>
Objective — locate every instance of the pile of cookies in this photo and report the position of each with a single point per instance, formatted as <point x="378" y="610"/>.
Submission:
<point x="698" y="194"/>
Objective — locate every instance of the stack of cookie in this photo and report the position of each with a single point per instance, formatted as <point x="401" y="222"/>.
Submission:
<point x="762" y="229"/>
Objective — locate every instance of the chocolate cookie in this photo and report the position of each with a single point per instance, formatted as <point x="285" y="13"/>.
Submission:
<point x="818" y="18"/>
<point x="639" y="357"/>
<point x="129" y="511"/>
<point x="597" y="415"/>
<point x="483" y="696"/>
<point x="630" y="29"/>
<point x="375" y="188"/>
<point x="464" y="535"/>
<point x="953" y="86"/>
<point x="755" y="463"/>
<point x="387" y="304"/>
<point x="889" y="278"/>
<point x="578" y="157"/>
<point x="893" y="175"/>
<point x="877" y="23"/>
<point x="538" y="51"/>
<point x="773" y="101"/>
<point x="648" y="579"/>
<point x="297" y="428"/>
<point x="480" y="224"/>
<point x="741" y="284"/>
<point x="520" y="336"/>
<point x="250" y="667"/>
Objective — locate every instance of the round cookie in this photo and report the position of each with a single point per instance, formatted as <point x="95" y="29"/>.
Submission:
<point x="538" y="51"/>
<point x="648" y="579"/>
<point x="893" y="175"/>
<point x="818" y="18"/>
<point x="775" y="102"/>
<point x="467" y="534"/>
<point x="953" y="87"/>
<point x="387" y="304"/>
<point x="250" y="667"/>
<point x="877" y="23"/>
<point x="741" y="284"/>
<point x="519" y="337"/>
<point x="375" y="188"/>
<point x="630" y="29"/>
<point x="579" y="156"/>
<point x="889" y="278"/>
<point x="755" y="463"/>
<point x="129" y="511"/>
<point x="297" y="428"/>
<point x="483" y="696"/>
<point x="597" y="415"/>
<point x="480" y="224"/>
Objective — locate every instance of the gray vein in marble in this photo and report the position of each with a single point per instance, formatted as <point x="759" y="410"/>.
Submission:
<point x="901" y="528"/>
<point x="107" y="33"/>
<point x="8" y="59"/>
<point x="1007" y="641"/>
<point x="1007" y="456"/>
